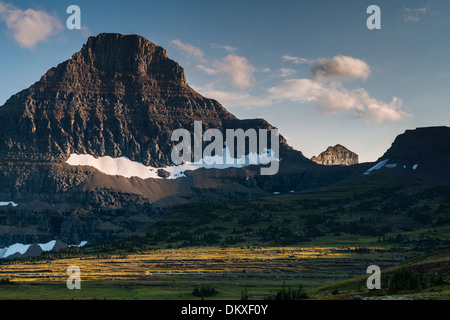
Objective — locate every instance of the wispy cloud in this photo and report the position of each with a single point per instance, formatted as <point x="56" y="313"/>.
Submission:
<point x="296" y="90"/>
<point x="286" y="72"/>
<point x="187" y="49"/>
<point x="238" y="69"/>
<point x="413" y="15"/>
<point x="234" y="99"/>
<point x="296" y="60"/>
<point x="227" y="48"/>
<point x="208" y="70"/>
<point x="28" y="27"/>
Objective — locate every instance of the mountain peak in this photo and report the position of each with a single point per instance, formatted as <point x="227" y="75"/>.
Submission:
<point x="105" y="38"/>
<point x="337" y="155"/>
<point x="337" y="147"/>
<point x="130" y="54"/>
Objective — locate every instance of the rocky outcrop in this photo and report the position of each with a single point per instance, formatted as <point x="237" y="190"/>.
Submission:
<point x="336" y="156"/>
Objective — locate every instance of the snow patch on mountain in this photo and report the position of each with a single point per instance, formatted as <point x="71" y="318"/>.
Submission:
<point x="82" y="244"/>
<point x="127" y="168"/>
<point x="23" y="248"/>
<point x="378" y="166"/>
<point x="15" y="248"/>
<point x="48" y="246"/>
<point x="385" y="164"/>
<point x="2" y="203"/>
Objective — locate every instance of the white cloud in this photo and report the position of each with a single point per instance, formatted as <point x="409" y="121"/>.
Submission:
<point x="340" y="68"/>
<point x="286" y="72"/>
<point x="335" y="99"/>
<point x="380" y="111"/>
<point x="187" y="49"/>
<point x="295" y="60"/>
<point x="228" y="49"/>
<point x="297" y="90"/>
<point x="413" y="15"/>
<point x="28" y="27"/>
<point x="234" y="99"/>
<point x="238" y="69"/>
<point x="208" y="70"/>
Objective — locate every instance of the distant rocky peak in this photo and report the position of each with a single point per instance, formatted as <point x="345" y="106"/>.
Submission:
<point x="336" y="156"/>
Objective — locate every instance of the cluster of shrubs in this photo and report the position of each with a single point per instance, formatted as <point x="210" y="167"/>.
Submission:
<point x="406" y="279"/>
<point x="289" y="294"/>
<point x="204" y="291"/>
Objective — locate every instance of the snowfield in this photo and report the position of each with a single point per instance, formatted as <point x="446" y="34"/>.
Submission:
<point x="385" y="164"/>
<point x="378" y="166"/>
<point x="124" y="167"/>
<point x="15" y="248"/>
<point x="23" y="248"/>
<point x="48" y="246"/>
<point x="82" y="244"/>
<point x="8" y="203"/>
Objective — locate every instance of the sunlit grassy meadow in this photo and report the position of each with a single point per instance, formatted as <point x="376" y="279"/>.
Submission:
<point x="173" y="273"/>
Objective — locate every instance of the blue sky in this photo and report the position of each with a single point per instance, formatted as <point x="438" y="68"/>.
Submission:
<point x="311" y="68"/>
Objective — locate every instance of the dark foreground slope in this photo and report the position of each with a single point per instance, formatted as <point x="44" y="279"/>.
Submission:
<point x="423" y="277"/>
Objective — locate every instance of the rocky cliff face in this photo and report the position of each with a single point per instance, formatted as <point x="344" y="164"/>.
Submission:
<point x="419" y="145"/>
<point x="336" y="156"/>
<point x="119" y="96"/>
<point x="423" y="152"/>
